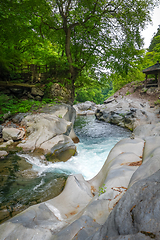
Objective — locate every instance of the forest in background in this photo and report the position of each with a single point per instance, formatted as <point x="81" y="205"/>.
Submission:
<point x="92" y="47"/>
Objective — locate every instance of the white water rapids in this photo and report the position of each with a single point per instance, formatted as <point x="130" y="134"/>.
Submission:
<point x="21" y="187"/>
<point x="96" y="140"/>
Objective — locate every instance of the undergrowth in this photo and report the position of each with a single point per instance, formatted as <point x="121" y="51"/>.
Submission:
<point x="11" y="105"/>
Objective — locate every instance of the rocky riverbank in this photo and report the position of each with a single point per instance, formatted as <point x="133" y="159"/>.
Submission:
<point x="120" y="202"/>
<point x="48" y="133"/>
<point x="95" y="209"/>
<point x="128" y="111"/>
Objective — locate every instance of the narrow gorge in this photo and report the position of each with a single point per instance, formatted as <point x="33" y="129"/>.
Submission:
<point x="114" y="202"/>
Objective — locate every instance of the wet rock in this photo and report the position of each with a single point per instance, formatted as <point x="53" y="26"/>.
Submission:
<point x="73" y="136"/>
<point x="60" y="147"/>
<point x="120" y="117"/>
<point x="27" y="174"/>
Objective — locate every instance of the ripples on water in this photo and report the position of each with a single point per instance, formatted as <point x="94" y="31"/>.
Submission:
<point x="97" y="138"/>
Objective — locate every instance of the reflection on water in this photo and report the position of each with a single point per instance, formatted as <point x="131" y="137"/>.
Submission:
<point x="22" y="187"/>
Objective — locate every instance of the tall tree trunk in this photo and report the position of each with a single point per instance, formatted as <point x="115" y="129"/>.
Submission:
<point x="73" y="71"/>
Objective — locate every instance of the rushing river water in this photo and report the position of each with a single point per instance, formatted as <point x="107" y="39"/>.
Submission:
<point x="26" y="180"/>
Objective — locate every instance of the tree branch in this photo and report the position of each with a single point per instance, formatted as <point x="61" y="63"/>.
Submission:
<point x="50" y="27"/>
<point x="67" y="8"/>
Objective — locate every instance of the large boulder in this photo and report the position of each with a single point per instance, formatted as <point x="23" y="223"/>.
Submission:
<point x="126" y="113"/>
<point x="64" y="111"/>
<point x="85" y="108"/>
<point x="137" y="215"/>
<point x="58" y="148"/>
<point x="45" y="132"/>
<point x="12" y="133"/>
<point x="50" y="132"/>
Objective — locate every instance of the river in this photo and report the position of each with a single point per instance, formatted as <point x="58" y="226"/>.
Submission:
<point x="26" y="180"/>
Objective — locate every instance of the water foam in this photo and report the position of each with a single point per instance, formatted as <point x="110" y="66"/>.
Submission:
<point x="88" y="161"/>
<point x="96" y="141"/>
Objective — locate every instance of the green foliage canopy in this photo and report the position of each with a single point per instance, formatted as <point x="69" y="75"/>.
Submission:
<point x="84" y="34"/>
<point x="153" y="53"/>
<point x="155" y="41"/>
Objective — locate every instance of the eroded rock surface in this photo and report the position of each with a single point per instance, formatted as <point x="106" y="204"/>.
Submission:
<point x="49" y="132"/>
<point x="137" y="215"/>
<point x="81" y="209"/>
<point x="12" y="134"/>
<point x="146" y="130"/>
<point x="86" y="108"/>
<point x="120" y="202"/>
<point x="41" y="128"/>
<point x="127" y="113"/>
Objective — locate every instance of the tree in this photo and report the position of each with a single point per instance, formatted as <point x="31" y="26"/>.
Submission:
<point x="155" y="40"/>
<point x="89" y="33"/>
<point x="20" y="42"/>
<point x="92" y="31"/>
<point x="153" y="53"/>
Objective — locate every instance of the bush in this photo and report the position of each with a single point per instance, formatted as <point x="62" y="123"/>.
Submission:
<point x="15" y="105"/>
